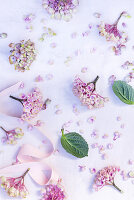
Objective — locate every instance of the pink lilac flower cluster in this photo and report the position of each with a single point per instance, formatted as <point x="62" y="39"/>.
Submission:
<point x="22" y="55"/>
<point x="12" y="135"/>
<point x="87" y="94"/>
<point x="32" y="104"/>
<point x="14" y="187"/>
<point x="61" y="9"/>
<point x="111" y="33"/>
<point x="53" y="191"/>
<point x="106" y="177"/>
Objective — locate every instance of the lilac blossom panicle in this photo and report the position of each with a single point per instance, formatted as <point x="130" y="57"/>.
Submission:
<point x="22" y="55"/>
<point x="111" y="33"/>
<point x="14" y="187"/>
<point x="12" y="136"/>
<point x="32" y="104"/>
<point x="60" y="9"/>
<point x="87" y="94"/>
<point x="106" y="177"/>
<point x="54" y="191"/>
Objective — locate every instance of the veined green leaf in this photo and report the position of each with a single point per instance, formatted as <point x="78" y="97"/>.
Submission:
<point x="74" y="144"/>
<point x="124" y="92"/>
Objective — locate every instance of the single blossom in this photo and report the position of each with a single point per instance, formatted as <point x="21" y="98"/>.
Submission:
<point x="12" y="136"/>
<point x="111" y="33"/>
<point x="129" y="77"/>
<point x="61" y="9"/>
<point x="3" y="35"/>
<point x="29" y="18"/>
<point x="32" y="104"/>
<point x="15" y="187"/>
<point x="87" y="94"/>
<point x="22" y="55"/>
<point x="106" y="177"/>
<point x="53" y="191"/>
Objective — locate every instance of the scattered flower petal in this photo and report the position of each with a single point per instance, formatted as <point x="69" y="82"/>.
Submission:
<point x="111" y="79"/>
<point x="92" y="170"/>
<point x="84" y="70"/>
<point x="110" y="146"/>
<point x="39" y="78"/>
<point x="131" y="174"/>
<point x="3" y="35"/>
<point x="97" y="15"/>
<point x="116" y="135"/>
<point x="95" y="145"/>
<point x="91" y="119"/>
<point x="82" y="168"/>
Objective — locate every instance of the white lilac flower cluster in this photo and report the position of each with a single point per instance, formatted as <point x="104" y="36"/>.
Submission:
<point x="61" y="9"/>
<point x="22" y="55"/>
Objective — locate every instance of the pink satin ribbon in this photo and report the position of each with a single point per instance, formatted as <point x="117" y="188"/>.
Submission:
<point x="29" y="156"/>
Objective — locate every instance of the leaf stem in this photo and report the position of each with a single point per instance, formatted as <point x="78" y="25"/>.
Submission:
<point x="62" y="130"/>
<point x="17" y="99"/>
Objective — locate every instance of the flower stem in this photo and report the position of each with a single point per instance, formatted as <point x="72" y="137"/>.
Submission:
<point x="3" y="129"/>
<point x="96" y="79"/>
<point x="47" y="101"/>
<point x="117" y="188"/>
<point x="119" y="18"/>
<point x="25" y="173"/>
<point x="17" y="99"/>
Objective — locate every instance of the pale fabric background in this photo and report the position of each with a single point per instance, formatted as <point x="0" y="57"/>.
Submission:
<point x="102" y="62"/>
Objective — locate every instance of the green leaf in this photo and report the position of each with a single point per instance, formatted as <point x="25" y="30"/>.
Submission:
<point x="124" y="92"/>
<point x="74" y="144"/>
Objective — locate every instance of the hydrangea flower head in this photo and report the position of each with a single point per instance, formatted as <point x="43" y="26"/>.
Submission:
<point x="14" y="187"/>
<point x="111" y="33"/>
<point x="12" y="136"/>
<point x="22" y="55"/>
<point x="87" y="94"/>
<point x="106" y="177"/>
<point x="54" y="190"/>
<point x="32" y="104"/>
<point x="61" y="9"/>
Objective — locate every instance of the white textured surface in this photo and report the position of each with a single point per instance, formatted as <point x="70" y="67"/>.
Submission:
<point x="102" y="63"/>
